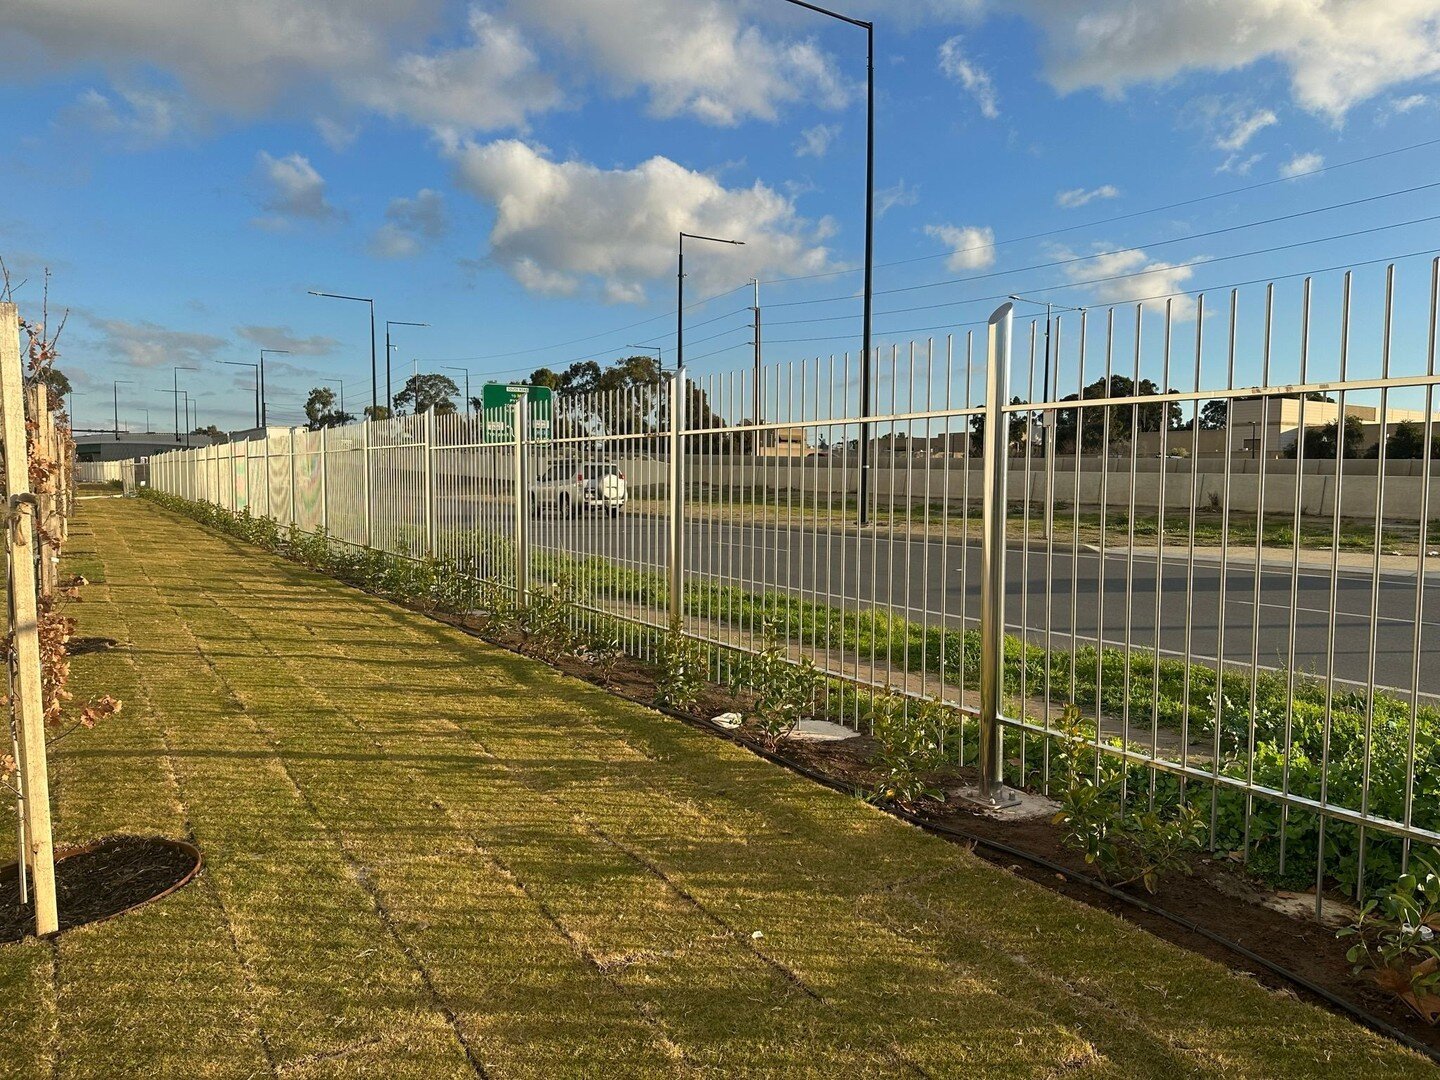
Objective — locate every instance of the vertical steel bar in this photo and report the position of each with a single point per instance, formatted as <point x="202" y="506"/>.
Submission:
<point x="992" y="557"/>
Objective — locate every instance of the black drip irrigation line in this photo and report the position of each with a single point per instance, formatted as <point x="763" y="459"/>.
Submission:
<point x="950" y="832"/>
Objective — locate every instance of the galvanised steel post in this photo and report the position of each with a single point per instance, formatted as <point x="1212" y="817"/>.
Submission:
<point x="992" y="559"/>
<point x="522" y="521"/>
<point x="676" y="546"/>
<point x="427" y="428"/>
<point x="294" y="498"/>
<point x="365" y="462"/>
<point x="324" y="481"/>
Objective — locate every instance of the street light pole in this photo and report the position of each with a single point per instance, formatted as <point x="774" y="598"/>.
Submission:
<point x="264" y="408"/>
<point x="865" y="358"/>
<point x="175" y="389"/>
<point x="255" y="368"/>
<point x="449" y="367"/>
<point x="659" y="354"/>
<point x="374" y="376"/>
<point x="680" y="292"/>
<point x="115" y="396"/>
<point x="389" y="391"/>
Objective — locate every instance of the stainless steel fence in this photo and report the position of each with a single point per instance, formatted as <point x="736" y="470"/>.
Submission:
<point x="1204" y="525"/>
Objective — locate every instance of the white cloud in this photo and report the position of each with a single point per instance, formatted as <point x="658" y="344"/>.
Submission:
<point x="148" y="344"/>
<point x="1301" y="164"/>
<point x="701" y="58"/>
<point x="1136" y="277"/>
<point x="1242" y="127"/>
<point x="337" y="136"/>
<point x="1337" y="52"/>
<point x="692" y="57"/>
<point x="409" y="223"/>
<point x="1409" y="103"/>
<point x="282" y="337"/>
<point x="815" y="142"/>
<point x="901" y="194"/>
<point x="494" y="82"/>
<point x="973" y="78"/>
<point x="1078" y="197"/>
<point x="141" y="117"/>
<point x="240" y="57"/>
<point x="1239" y="164"/>
<point x="562" y="225"/>
<point x="296" y="190"/>
<point x="972" y="247"/>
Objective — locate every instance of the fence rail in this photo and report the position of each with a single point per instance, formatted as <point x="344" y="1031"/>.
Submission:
<point x="1225" y="627"/>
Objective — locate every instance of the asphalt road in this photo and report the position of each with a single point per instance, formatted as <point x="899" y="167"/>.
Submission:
<point x="1125" y="596"/>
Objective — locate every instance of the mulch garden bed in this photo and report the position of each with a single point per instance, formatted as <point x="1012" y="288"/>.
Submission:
<point x="101" y="880"/>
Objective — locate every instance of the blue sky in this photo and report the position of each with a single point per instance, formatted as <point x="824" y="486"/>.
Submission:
<point x="515" y="173"/>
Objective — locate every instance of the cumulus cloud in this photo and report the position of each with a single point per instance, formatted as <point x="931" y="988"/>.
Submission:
<point x="1077" y="197"/>
<point x="294" y="191"/>
<point x="238" y="56"/>
<point x="560" y="226"/>
<point x="148" y="344"/>
<point x="409" y="223"/>
<point x="692" y="57"/>
<point x="495" y="81"/>
<point x="815" y="142"/>
<point x="974" y="79"/>
<point x="1134" y="277"/>
<point x="1301" y="164"/>
<point x="1337" y="52"/>
<point x="972" y="247"/>
<point x="282" y="337"/>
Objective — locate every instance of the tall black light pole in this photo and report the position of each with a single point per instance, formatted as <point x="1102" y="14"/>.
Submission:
<point x="449" y="367"/>
<point x="175" y="381"/>
<point x="865" y="359"/>
<point x="342" y="389"/>
<point x="680" y="292"/>
<point x="264" y="409"/>
<point x="256" y="369"/>
<point x="374" y="376"/>
<point x="115" y="397"/>
<point x="389" y="392"/>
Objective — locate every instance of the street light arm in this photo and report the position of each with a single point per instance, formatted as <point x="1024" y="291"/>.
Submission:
<point x="712" y="239"/>
<point x="833" y="14"/>
<point x="342" y="296"/>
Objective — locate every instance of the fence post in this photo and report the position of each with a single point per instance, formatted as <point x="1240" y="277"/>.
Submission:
<point x="522" y="520"/>
<point x="25" y="628"/>
<point x="427" y="427"/>
<point x="365" y="461"/>
<point x="992" y="562"/>
<point x="676" y="552"/>
<point x="294" y="499"/>
<point x="324" y="481"/>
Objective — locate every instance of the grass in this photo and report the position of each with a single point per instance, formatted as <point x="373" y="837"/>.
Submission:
<point x="426" y="857"/>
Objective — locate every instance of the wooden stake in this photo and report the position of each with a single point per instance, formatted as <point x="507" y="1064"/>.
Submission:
<point x="24" y="624"/>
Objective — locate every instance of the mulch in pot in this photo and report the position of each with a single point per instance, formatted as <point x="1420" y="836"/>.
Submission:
<point x="101" y="880"/>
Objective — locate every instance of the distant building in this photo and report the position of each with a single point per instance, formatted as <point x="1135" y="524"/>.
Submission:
<point x="107" y="446"/>
<point x="784" y="442"/>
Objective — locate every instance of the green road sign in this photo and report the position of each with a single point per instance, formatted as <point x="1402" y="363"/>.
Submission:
<point x="500" y="396"/>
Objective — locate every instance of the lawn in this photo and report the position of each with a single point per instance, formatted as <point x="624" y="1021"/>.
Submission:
<point x="427" y="857"/>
